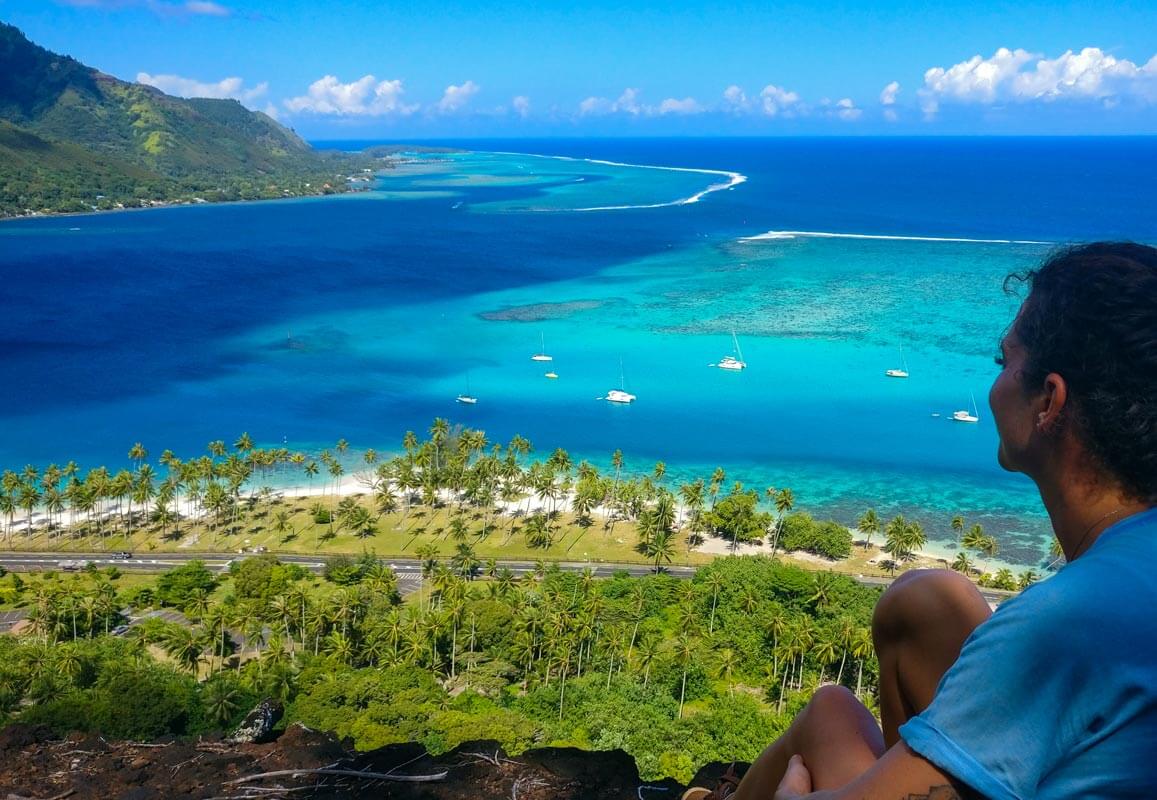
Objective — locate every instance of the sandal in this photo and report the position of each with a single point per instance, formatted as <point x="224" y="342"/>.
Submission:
<point x="726" y="786"/>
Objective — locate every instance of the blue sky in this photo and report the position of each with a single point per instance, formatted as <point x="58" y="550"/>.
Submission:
<point x="611" y="67"/>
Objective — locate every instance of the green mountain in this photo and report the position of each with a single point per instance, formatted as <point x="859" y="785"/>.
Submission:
<point x="74" y="139"/>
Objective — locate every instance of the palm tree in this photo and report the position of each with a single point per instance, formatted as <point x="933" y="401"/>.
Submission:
<point x="660" y="548"/>
<point x="957" y="527"/>
<point x="726" y="667"/>
<point x="221" y="699"/>
<point x="185" y="646"/>
<point x="974" y="539"/>
<point x="963" y="564"/>
<point x="784" y="502"/>
<point x="717" y="479"/>
<point x="685" y="650"/>
<point x="464" y="561"/>
<point x="645" y="654"/>
<point x="1026" y="579"/>
<point x="825" y="650"/>
<point x="715" y="582"/>
<point x="869" y="525"/>
<point x="862" y="650"/>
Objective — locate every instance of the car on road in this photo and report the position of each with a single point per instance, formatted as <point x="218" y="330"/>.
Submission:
<point x="122" y="555"/>
<point x="120" y="630"/>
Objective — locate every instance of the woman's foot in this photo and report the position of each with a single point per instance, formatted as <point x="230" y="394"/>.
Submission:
<point x="723" y="789"/>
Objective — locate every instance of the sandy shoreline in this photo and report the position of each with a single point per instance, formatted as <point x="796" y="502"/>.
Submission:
<point x="362" y="484"/>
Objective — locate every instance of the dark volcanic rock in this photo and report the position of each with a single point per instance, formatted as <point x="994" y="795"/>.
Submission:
<point x="34" y="765"/>
<point x="257" y="727"/>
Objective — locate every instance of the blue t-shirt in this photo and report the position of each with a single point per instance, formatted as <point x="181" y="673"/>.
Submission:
<point x="1055" y="696"/>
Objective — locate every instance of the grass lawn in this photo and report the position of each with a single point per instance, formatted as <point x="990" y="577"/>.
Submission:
<point x="398" y="534"/>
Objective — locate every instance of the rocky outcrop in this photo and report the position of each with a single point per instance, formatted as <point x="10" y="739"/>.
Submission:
<point x="89" y="768"/>
<point x="258" y="725"/>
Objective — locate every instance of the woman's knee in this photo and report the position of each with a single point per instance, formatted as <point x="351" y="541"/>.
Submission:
<point x="928" y="596"/>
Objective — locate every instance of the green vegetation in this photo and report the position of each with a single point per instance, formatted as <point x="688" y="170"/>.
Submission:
<point x="75" y="139"/>
<point x="675" y="672"/>
<point x="454" y="494"/>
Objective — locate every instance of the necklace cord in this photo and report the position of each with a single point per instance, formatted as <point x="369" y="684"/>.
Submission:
<point x="1098" y="521"/>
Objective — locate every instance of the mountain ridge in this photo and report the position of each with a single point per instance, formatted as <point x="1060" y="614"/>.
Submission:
<point x="73" y="138"/>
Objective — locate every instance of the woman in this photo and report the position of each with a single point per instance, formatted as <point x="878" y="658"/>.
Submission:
<point x="1055" y="695"/>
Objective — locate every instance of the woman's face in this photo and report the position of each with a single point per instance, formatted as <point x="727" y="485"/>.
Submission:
<point x="1012" y="405"/>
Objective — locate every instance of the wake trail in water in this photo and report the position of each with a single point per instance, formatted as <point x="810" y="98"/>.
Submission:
<point x="773" y="235"/>
<point x="733" y="180"/>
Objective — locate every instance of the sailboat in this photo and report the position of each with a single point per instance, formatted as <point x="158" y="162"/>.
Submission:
<point x="965" y="416"/>
<point x="735" y="362"/>
<point x="903" y="371"/>
<point x="541" y="354"/>
<point x="620" y="395"/>
<point x="467" y="398"/>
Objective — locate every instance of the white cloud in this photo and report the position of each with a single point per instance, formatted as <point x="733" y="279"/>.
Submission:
<point x="628" y="103"/>
<point x="735" y="99"/>
<point x="207" y="8"/>
<point x="775" y="100"/>
<point x="521" y="105"/>
<point x="845" y="109"/>
<point x="188" y="87"/>
<point x="1022" y="77"/>
<point x="688" y="105"/>
<point x="455" y="97"/>
<point x="888" y="94"/>
<point x="204" y="8"/>
<point x="364" y="97"/>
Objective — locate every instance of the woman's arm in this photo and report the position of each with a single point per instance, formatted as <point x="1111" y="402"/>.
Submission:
<point x="900" y="774"/>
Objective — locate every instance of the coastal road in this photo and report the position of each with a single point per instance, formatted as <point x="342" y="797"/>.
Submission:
<point x="408" y="570"/>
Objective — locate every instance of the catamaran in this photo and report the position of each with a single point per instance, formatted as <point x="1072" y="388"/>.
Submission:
<point x="734" y="362"/>
<point x="965" y="416"/>
<point x="903" y="371"/>
<point x="620" y="395"/>
<point x="541" y="354"/>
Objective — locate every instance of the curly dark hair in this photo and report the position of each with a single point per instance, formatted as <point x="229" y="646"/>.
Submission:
<point x="1091" y="317"/>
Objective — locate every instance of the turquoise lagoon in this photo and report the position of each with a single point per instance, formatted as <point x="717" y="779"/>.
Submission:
<point x="362" y="317"/>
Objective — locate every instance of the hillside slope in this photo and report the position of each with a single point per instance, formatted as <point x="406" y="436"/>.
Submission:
<point x="74" y="139"/>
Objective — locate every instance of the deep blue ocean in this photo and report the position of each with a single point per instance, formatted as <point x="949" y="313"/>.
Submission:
<point x="361" y="317"/>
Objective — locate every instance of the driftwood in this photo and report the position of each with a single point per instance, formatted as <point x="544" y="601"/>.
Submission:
<point x="345" y="773"/>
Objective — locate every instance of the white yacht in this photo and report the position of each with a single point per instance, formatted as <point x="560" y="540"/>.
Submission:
<point x="965" y="416"/>
<point x="903" y="371"/>
<point x="541" y="354"/>
<point x="735" y="362"/>
<point x="620" y="395"/>
<point x="468" y="398"/>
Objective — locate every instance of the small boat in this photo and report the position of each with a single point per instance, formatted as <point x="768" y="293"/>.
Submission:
<point x="467" y="398"/>
<point x="734" y="363"/>
<point x="620" y="395"/>
<point x="903" y="371"/>
<point x="552" y="375"/>
<point x="541" y="354"/>
<point x="965" y="416"/>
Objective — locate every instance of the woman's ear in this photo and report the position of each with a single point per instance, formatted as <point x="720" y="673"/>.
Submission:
<point x="1052" y="403"/>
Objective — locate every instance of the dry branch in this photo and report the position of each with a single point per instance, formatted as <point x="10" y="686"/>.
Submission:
<point x="345" y="773"/>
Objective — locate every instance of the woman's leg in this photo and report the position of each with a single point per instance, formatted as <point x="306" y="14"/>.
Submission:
<point x="837" y="736"/>
<point x="918" y="627"/>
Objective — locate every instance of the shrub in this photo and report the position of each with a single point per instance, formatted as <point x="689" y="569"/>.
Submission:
<point x="178" y="586"/>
